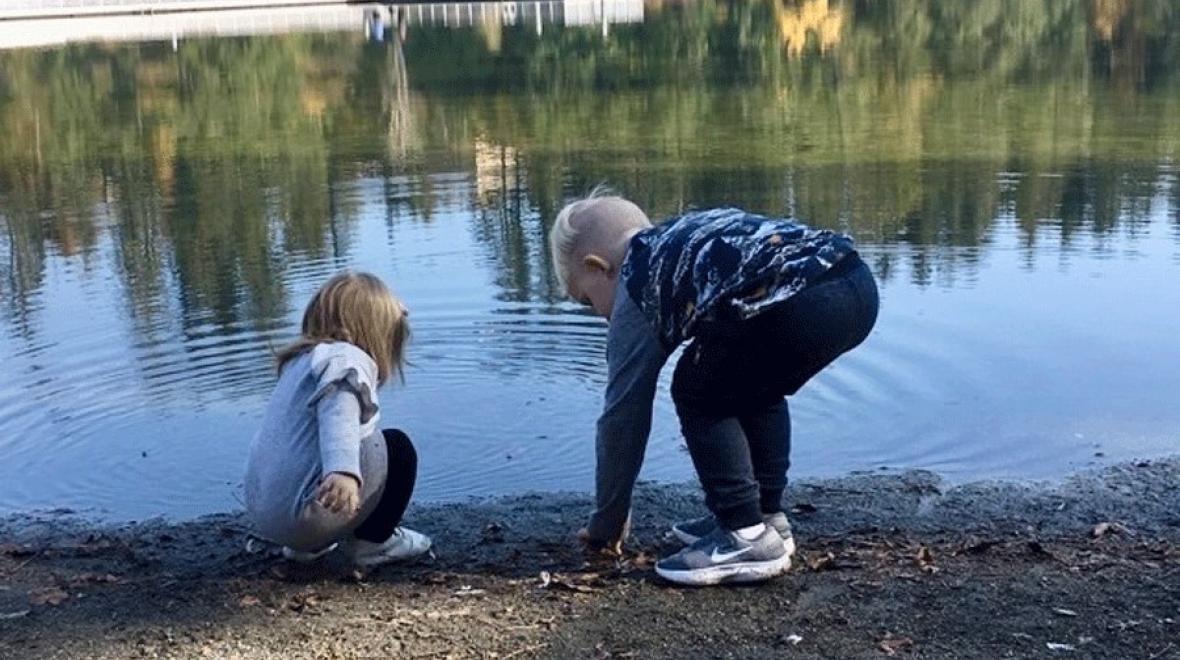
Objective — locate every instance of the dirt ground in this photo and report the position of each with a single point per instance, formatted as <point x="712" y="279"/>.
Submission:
<point x="890" y="564"/>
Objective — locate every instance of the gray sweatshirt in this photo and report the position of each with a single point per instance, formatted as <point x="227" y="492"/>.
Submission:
<point x="634" y="357"/>
<point x="322" y="416"/>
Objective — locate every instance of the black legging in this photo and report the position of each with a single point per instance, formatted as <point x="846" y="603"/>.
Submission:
<point x="400" y="474"/>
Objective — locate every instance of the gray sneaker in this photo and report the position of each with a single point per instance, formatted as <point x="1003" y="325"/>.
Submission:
<point x="691" y="531"/>
<point x="723" y="556"/>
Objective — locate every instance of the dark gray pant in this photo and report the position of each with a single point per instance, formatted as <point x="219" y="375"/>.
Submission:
<point x="730" y="384"/>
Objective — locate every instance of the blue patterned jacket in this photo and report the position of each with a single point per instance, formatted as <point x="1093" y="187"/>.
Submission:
<point x="723" y="263"/>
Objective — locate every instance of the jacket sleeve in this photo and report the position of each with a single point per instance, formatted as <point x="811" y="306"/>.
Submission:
<point x="634" y="358"/>
<point x="338" y="417"/>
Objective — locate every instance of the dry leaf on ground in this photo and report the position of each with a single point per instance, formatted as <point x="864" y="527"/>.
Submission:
<point x="824" y="562"/>
<point x="52" y="596"/>
<point x="305" y="602"/>
<point x="467" y="591"/>
<point x="893" y="645"/>
<point x="94" y="578"/>
<point x="555" y="581"/>
<point x="1105" y="528"/>
<point x="640" y="561"/>
<point x="925" y="560"/>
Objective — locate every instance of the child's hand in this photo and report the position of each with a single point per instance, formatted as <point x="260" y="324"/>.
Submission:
<point x="339" y="493"/>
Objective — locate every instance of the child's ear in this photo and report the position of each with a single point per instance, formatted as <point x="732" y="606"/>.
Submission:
<point x="595" y="262"/>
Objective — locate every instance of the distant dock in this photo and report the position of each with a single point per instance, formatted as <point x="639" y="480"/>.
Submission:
<point x="176" y="20"/>
<point x="38" y="9"/>
<point x="24" y="9"/>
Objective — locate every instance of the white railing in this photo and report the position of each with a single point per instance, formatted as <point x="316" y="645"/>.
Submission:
<point x="10" y="9"/>
<point x="175" y="26"/>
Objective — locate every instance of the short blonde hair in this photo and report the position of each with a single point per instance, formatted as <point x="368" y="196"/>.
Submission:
<point x="568" y="233"/>
<point x="359" y="309"/>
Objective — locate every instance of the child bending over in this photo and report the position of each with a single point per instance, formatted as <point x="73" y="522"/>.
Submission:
<point x="764" y="305"/>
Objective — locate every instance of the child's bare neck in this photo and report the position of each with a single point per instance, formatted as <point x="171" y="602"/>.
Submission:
<point x="618" y="250"/>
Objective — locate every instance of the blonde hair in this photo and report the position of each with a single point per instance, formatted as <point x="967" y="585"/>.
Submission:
<point x="568" y="233"/>
<point x="359" y="309"/>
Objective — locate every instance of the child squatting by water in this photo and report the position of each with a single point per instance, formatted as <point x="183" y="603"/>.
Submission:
<point x="321" y="474"/>
<point x="764" y="304"/>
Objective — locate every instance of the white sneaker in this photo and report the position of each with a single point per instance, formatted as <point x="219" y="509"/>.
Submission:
<point x="404" y="544"/>
<point x="304" y="556"/>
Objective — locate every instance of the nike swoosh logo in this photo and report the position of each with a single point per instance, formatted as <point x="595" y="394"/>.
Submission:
<point x="718" y="557"/>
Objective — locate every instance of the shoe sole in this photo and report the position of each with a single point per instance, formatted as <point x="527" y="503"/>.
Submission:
<point x="689" y="539"/>
<point x="735" y="573"/>
<point x="301" y="557"/>
<point x="379" y="560"/>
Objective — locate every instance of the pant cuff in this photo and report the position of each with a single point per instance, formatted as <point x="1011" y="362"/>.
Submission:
<point x="771" y="501"/>
<point x="737" y="517"/>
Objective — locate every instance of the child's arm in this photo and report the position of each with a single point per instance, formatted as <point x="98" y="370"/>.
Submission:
<point x="338" y="416"/>
<point x="634" y="358"/>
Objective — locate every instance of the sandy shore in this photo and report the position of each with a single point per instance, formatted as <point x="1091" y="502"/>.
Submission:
<point x="889" y="564"/>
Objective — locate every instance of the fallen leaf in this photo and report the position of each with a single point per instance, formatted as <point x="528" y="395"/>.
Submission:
<point x="823" y="562"/>
<point x="554" y="581"/>
<point x="642" y="560"/>
<point x="248" y="601"/>
<point x="5" y="616"/>
<point x="467" y="591"/>
<point x="1104" y="528"/>
<point x="51" y="596"/>
<point x="304" y="601"/>
<point x="1054" y="646"/>
<point x="94" y="545"/>
<point x="894" y="645"/>
<point x="925" y="560"/>
<point x="94" y="578"/>
<point x="1064" y="612"/>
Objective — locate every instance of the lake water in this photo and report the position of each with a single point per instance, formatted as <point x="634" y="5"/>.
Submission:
<point x="1009" y="169"/>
